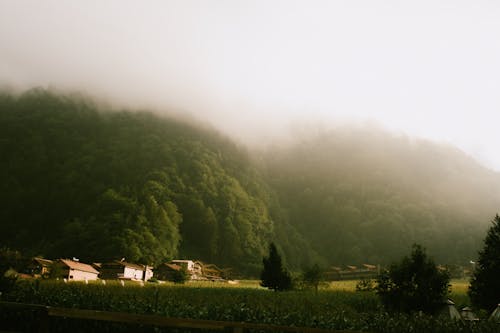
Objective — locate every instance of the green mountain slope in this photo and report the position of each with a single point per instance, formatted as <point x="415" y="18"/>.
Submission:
<point x="363" y="195"/>
<point x="76" y="181"/>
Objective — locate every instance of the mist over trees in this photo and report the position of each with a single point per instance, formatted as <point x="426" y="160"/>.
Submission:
<point x="361" y="195"/>
<point x="76" y="180"/>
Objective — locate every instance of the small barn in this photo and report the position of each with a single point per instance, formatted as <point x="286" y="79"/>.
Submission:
<point x="166" y="271"/>
<point x="73" y="270"/>
<point x="40" y="267"/>
<point x="125" y="271"/>
<point x="193" y="268"/>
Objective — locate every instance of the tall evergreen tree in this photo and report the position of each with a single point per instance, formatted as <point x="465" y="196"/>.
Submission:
<point x="414" y="284"/>
<point x="484" y="288"/>
<point x="274" y="276"/>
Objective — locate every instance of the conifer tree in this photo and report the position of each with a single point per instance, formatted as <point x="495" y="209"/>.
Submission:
<point x="484" y="290"/>
<point x="274" y="276"/>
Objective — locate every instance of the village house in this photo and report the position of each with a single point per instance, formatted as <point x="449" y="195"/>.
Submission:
<point x="40" y="267"/>
<point x="193" y="268"/>
<point x="125" y="271"/>
<point x="212" y="272"/>
<point x="167" y="271"/>
<point x="73" y="270"/>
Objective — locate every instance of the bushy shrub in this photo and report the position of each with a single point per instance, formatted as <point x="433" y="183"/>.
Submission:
<point x="365" y="285"/>
<point x="414" y="284"/>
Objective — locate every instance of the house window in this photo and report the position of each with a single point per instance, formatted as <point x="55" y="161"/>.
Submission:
<point x="71" y="276"/>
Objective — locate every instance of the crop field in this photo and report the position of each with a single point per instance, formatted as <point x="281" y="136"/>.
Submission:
<point x="336" y="306"/>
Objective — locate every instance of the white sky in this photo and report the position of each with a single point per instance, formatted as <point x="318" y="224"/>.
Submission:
<point x="253" y="68"/>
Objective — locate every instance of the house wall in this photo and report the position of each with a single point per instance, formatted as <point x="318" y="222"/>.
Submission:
<point x="111" y="272"/>
<point x="148" y="274"/>
<point x="132" y="273"/>
<point x="76" y="275"/>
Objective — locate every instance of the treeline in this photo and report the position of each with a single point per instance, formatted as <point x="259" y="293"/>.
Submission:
<point x="77" y="179"/>
<point x="364" y="195"/>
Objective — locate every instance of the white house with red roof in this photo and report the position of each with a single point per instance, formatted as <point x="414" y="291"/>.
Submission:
<point x="74" y="270"/>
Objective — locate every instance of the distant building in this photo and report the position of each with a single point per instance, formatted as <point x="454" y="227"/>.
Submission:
<point x="193" y="268"/>
<point x="167" y="271"/>
<point x="125" y="271"/>
<point x="40" y="267"/>
<point x="73" y="270"/>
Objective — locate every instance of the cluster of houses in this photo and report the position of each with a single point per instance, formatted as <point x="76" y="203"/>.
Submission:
<point x="351" y="272"/>
<point x="74" y="270"/>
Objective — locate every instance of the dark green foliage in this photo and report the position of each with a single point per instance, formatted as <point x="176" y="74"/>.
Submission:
<point x="77" y="180"/>
<point x="414" y="284"/>
<point x="312" y="276"/>
<point x="362" y="195"/>
<point x="11" y="263"/>
<point x="274" y="276"/>
<point x="484" y="288"/>
<point x="365" y="285"/>
<point x="180" y="276"/>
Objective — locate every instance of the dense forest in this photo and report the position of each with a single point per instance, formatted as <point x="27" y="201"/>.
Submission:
<point x="365" y="195"/>
<point x="84" y="180"/>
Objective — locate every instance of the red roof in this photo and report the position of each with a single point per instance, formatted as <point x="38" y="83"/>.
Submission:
<point x="173" y="267"/>
<point x="128" y="264"/>
<point x="79" y="266"/>
<point x="42" y="261"/>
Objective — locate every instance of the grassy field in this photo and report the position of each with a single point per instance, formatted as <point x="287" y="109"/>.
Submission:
<point x="336" y="306"/>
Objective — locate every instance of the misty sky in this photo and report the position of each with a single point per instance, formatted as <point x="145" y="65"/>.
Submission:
<point x="256" y="69"/>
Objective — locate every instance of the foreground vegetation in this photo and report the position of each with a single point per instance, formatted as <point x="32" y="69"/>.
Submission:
<point x="335" y="306"/>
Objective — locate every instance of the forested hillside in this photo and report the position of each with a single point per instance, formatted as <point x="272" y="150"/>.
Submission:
<point x="79" y="180"/>
<point x="364" y="195"/>
<point x="76" y="181"/>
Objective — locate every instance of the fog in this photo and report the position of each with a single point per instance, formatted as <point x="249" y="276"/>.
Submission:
<point x="258" y="70"/>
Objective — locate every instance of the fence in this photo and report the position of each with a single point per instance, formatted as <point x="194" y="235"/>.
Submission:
<point x="45" y="312"/>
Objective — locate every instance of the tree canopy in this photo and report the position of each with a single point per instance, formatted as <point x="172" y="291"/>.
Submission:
<point x="484" y="288"/>
<point x="85" y="180"/>
<point x="414" y="284"/>
<point x="79" y="180"/>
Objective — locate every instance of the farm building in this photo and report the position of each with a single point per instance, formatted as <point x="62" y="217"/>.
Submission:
<point x="193" y="268"/>
<point x="125" y="270"/>
<point x="167" y="271"/>
<point x="351" y="272"/>
<point x="211" y="272"/>
<point x="40" y="267"/>
<point x="73" y="270"/>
